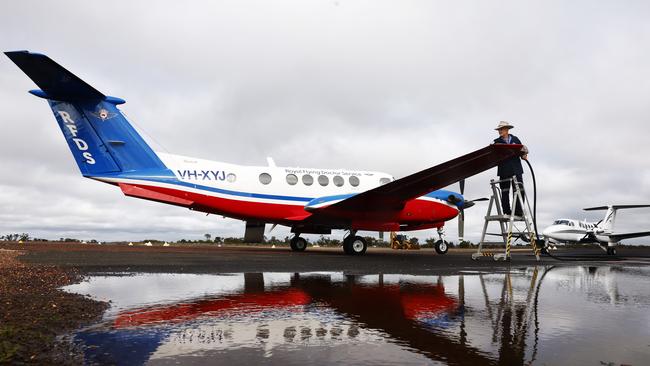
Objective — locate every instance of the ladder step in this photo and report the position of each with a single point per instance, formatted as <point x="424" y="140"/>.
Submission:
<point x="503" y="218"/>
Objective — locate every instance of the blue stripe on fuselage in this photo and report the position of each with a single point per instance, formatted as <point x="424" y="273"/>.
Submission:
<point x="165" y="177"/>
<point x="168" y="178"/>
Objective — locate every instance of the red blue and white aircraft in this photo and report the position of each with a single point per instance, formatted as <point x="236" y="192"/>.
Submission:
<point x="309" y="201"/>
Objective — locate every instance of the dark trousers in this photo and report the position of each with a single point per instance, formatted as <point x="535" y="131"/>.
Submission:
<point x="506" y="187"/>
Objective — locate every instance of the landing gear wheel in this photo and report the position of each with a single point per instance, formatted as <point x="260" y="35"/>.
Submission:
<point x="354" y="245"/>
<point x="298" y="244"/>
<point x="611" y="251"/>
<point x="441" y="247"/>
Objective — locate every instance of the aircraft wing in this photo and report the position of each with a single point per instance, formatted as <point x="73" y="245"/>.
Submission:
<point x="393" y="195"/>
<point x="618" y="237"/>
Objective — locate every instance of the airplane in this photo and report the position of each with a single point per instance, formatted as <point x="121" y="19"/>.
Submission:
<point x="309" y="201"/>
<point x="601" y="232"/>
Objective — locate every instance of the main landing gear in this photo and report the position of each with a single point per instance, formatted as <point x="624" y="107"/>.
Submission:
<point x="298" y="244"/>
<point x="353" y="244"/>
<point x="611" y="251"/>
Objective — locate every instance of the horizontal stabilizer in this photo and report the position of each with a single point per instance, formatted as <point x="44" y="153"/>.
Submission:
<point x="615" y="207"/>
<point x="53" y="79"/>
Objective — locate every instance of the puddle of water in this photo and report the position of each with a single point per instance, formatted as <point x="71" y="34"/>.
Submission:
<point x="543" y="315"/>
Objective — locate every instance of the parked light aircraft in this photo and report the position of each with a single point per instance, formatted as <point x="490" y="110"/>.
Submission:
<point x="601" y="232"/>
<point x="309" y="201"/>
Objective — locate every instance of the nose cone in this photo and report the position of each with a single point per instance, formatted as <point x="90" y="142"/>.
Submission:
<point x="549" y="231"/>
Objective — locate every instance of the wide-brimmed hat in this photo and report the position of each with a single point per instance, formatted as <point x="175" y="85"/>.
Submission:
<point x="504" y="124"/>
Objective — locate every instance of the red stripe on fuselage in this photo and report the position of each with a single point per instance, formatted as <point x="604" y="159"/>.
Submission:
<point x="416" y="212"/>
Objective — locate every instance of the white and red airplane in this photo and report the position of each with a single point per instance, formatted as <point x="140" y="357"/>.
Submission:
<point x="310" y="201"/>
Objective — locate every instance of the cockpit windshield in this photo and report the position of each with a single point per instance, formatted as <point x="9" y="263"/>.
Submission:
<point x="562" y="222"/>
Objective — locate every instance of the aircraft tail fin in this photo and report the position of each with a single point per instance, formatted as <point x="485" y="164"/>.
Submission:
<point x="101" y="139"/>
<point x="610" y="217"/>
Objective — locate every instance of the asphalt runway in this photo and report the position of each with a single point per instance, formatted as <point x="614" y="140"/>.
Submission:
<point x="92" y="258"/>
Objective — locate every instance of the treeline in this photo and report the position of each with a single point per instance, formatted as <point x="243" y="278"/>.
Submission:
<point x="20" y="237"/>
<point x="27" y="237"/>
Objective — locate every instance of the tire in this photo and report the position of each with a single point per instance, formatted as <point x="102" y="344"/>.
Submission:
<point x="611" y="251"/>
<point x="298" y="244"/>
<point x="347" y="246"/>
<point x="355" y="245"/>
<point x="441" y="247"/>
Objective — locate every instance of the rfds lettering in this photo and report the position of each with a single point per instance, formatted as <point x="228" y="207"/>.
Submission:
<point x="202" y="174"/>
<point x="80" y="143"/>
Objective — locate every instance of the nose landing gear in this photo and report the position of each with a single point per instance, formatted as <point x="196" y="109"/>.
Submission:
<point x="441" y="246"/>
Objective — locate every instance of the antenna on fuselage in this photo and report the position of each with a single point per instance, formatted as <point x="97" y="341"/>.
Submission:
<point x="270" y="161"/>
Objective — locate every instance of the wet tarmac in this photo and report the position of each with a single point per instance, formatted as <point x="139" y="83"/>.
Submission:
<point x="546" y="315"/>
<point x="212" y="259"/>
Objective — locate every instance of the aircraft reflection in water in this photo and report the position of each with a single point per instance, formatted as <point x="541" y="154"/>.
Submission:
<point x="315" y="318"/>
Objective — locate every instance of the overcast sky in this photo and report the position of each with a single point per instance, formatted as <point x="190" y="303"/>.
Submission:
<point x="393" y="86"/>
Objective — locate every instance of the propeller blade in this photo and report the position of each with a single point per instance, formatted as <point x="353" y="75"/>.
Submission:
<point x="461" y="225"/>
<point x="470" y="203"/>
<point x="462" y="186"/>
<point x="591" y="234"/>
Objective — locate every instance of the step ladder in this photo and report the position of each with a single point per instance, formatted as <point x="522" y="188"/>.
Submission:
<point x="507" y="222"/>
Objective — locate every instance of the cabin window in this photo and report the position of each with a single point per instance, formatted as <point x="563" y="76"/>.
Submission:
<point x="323" y="180"/>
<point x="265" y="178"/>
<point x="338" y="181"/>
<point x="292" y="179"/>
<point x="231" y="178"/>
<point x="383" y="181"/>
<point x="307" y="180"/>
<point x="354" y="181"/>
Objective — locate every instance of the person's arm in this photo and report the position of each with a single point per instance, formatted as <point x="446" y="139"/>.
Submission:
<point x="524" y="149"/>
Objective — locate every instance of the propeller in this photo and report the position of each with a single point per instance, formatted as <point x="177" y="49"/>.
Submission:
<point x="591" y="234"/>
<point x="466" y="204"/>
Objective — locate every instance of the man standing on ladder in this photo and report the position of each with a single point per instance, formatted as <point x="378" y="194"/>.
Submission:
<point x="509" y="168"/>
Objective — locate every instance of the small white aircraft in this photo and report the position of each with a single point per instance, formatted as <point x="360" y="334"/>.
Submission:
<point x="601" y="232"/>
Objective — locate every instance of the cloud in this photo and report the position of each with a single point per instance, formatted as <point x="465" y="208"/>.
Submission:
<point x="372" y="85"/>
